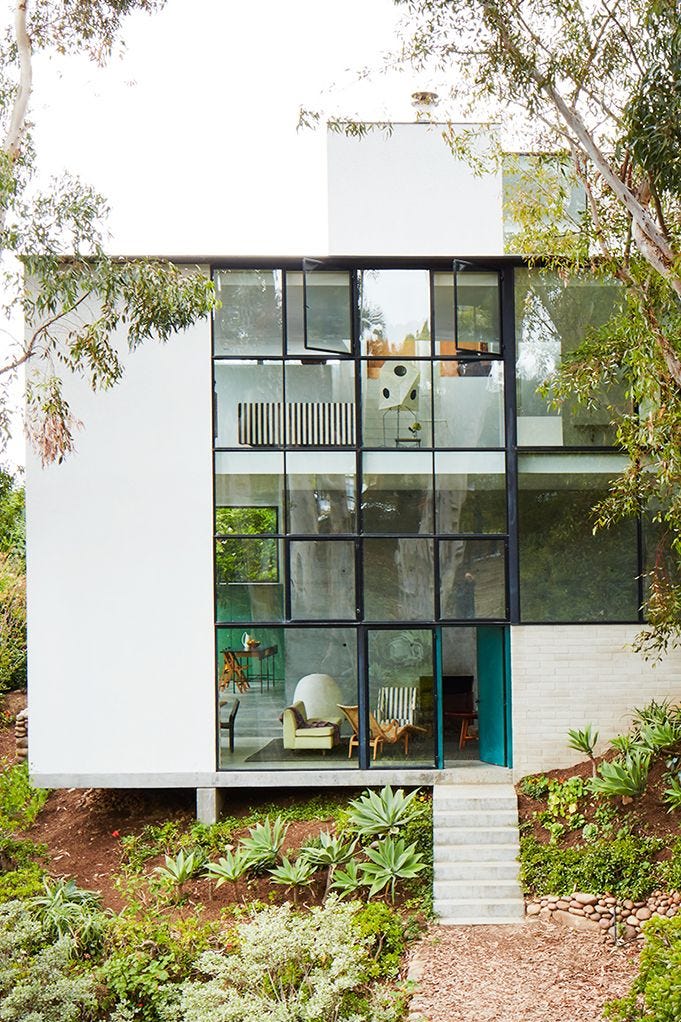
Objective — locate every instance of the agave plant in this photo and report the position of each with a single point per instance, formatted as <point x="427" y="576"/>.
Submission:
<point x="264" y="842"/>
<point x="390" y="861"/>
<point x="585" y="741"/>
<point x="626" y="777"/>
<point x="347" y="880"/>
<point x="672" y="795"/>
<point x="375" y="814"/>
<point x="660" y="735"/>
<point x="293" y="875"/>
<point x="230" y="868"/>
<point x="624" y="744"/>
<point x="656" y="713"/>
<point x="178" y="870"/>
<point x="329" y="851"/>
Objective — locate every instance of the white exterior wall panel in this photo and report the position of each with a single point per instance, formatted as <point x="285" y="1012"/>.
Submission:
<point x="121" y="675"/>
<point x="405" y="194"/>
<point x="567" y="676"/>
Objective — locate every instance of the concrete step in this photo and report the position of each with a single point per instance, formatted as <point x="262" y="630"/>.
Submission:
<point x="469" y="853"/>
<point x="454" y="804"/>
<point x="475" y="921"/>
<point x="476" y="871"/>
<point x="468" y="910"/>
<point x="492" y="890"/>
<point x="473" y="835"/>
<point x="477" y="817"/>
<point x="475" y="849"/>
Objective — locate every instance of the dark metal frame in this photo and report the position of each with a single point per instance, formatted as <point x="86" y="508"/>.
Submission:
<point x="505" y="267"/>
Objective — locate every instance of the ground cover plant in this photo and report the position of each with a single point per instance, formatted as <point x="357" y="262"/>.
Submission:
<point x="655" y="995"/>
<point x="216" y="921"/>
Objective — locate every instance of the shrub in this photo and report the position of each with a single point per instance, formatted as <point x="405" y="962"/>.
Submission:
<point x="12" y="623"/>
<point x="563" y="806"/>
<point x="182" y="939"/>
<point x="20" y="802"/>
<point x="149" y="954"/>
<point x="25" y="882"/>
<point x="656" y="994"/>
<point x="535" y="787"/>
<point x="670" y="869"/>
<point x="387" y="931"/>
<point x="289" y="967"/>
<point x="139" y="984"/>
<point x="66" y="910"/>
<point x="17" y="853"/>
<point x="37" y="979"/>
<point x="155" y="839"/>
<point x="671" y="796"/>
<point x="623" y="866"/>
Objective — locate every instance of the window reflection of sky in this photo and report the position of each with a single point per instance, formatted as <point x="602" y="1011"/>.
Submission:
<point x="395" y="304"/>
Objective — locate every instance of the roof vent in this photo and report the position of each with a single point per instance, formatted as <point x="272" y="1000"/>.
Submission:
<point x="424" y="103"/>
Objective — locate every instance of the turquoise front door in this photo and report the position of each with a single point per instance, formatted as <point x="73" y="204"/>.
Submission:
<point x="494" y="694"/>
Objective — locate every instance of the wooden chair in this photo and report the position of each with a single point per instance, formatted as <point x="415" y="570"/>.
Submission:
<point x="233" y="672"/>
<point x="388" y="733"/>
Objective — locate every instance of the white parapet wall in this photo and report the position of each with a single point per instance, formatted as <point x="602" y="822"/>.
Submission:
<point x="567" y="676"/>
<point x="120" y="594"/>
<point x="403" y="192"/>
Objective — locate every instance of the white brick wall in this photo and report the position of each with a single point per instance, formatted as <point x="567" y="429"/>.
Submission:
<point x="567" y="676"/>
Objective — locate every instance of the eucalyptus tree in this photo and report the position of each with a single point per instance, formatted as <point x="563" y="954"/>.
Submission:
<point x="73" y="296"/>
<point x="597" y="84"/>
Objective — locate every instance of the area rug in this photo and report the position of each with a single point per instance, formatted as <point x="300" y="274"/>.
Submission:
<point x="274" y="752"/>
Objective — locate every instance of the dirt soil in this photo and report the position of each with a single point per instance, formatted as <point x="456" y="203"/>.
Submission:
<point x="537" y="972"/>
<point x="648" y="815"/>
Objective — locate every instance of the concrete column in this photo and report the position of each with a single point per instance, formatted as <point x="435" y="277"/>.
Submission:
<point x="209" y="803"/>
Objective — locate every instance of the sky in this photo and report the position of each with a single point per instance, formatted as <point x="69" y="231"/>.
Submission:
<point x="191" y="133"/>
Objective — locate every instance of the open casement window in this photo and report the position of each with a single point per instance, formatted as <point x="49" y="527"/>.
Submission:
<point x="327" y="309"/>
<point x="468" y="311"/>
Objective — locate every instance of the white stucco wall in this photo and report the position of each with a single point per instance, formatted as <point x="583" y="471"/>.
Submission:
<point x="405" y="194"/>
<point x="121" y="668"/>
<point x="567" y="676"/>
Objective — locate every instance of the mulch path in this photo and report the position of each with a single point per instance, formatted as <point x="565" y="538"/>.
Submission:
<point x="536" y="972"/>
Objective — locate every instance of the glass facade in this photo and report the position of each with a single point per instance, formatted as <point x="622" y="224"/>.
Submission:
<point x="370" y="519"/>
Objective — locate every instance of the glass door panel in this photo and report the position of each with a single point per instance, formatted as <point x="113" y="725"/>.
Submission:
<point x="401" y="697"/>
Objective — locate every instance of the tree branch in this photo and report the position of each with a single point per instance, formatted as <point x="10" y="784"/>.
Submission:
<point x="11" y="144"/>
<point x="29" y="350"/>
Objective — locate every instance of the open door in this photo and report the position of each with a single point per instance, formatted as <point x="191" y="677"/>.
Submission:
<point x="494" y="694"/>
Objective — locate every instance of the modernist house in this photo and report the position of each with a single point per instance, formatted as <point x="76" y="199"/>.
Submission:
<point x="338" y="535"/>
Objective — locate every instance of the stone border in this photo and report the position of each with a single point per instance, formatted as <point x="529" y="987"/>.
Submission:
<point x="613" y="918"/>
<point x="21" y="735"/>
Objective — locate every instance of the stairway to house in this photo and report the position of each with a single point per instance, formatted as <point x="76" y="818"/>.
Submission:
<point x="475" y="848"/>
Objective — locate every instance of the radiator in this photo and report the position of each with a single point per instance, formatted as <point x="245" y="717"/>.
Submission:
<point x="304" y="423"/>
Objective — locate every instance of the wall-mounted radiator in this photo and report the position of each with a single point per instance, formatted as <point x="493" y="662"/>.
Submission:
<point x="303" y="423"/>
